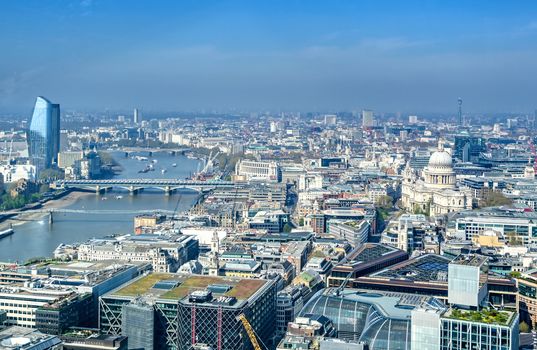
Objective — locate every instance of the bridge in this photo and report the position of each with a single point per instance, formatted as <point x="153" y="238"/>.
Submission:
<point x="12" y="215"/>
<point x="136" y="185"/>
<point x="173" y="151"/>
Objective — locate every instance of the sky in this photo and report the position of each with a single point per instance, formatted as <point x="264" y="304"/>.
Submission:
<point x="279" y="55"/>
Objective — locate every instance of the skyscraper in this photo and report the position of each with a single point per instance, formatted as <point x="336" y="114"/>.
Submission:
<point x="461" y="121"/>
<point x="44" y="133"/>
<point x="368" y="120"/>
<point x="137" y="116"/>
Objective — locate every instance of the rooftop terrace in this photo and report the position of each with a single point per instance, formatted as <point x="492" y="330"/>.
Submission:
<point x="176" y="287"/>
<point x="488" y="316"/>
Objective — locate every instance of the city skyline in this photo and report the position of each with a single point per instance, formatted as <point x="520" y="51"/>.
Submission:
<point x="302" y="56"/>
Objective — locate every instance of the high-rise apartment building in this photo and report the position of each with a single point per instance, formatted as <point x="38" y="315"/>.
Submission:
<point x="44" y="133"/>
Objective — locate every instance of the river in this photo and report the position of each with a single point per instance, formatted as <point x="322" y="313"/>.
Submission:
<point x="39" y="238"/>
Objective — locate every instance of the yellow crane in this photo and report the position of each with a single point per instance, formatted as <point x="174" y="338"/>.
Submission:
<point x="249" y="331"/>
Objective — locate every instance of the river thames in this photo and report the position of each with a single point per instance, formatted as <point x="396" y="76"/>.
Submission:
<point x="39" y="238"/>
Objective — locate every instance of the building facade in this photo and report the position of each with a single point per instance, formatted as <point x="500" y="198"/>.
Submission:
<point x="435" y="192"/>
<point x="190" y="311"/>
<point x="44" y="134"/>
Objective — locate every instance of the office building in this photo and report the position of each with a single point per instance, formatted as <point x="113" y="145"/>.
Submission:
<point x="21" y="338"/>
<point x="427" y="274"/>
<point x="254" y="170"/>
<point x="44" y="134"/>
<point x="165" y="254"/>
<point x="137" y="116"/>
<point x="330" y="119"/>
<point x="365" y="259"/>
<point x="468" y="148"/>
<point x="368" y="119"/>
<point x="527" y="297"/>
<point x="80" y="341"/>
<point x="68" y="159"/>
<point x="380" y="320"/>
<point x="55" y="297"/>
<point x="458" y="329"/>
<point x="354" y="231"/>
<point x="517" y="225"/>
<point x="467" y="280"/>
<point x="289" y="302"/>
<point x="189" y="311"/>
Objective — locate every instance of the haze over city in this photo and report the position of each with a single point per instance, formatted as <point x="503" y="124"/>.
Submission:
<point x="407" y="56"/>
<point x="268" y="175"/>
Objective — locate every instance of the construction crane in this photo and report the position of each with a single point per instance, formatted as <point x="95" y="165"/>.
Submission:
<point x="250" y="331"/>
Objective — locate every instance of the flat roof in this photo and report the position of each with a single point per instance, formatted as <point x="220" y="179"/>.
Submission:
<point x="470" y="260"/>
<point x="370" y="251"/>
<point x="151" y="286"/>
<point x="424" y="268"/>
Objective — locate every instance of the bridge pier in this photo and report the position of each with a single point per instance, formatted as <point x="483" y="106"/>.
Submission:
<point x="99" y="190"/>
<point x="134" y="190"/>
<point x="50" y="218"/>
<point x="167" y="191"/>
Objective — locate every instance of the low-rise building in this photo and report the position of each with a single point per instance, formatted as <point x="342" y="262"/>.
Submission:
<point x="165" y="253"/>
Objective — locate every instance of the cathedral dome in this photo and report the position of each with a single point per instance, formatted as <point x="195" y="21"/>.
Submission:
<point x="440" y="159"/>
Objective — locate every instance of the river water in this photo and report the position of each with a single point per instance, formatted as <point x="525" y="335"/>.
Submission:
<point x="39" y="238"/>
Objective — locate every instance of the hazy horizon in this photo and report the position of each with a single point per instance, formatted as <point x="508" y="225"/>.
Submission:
<point x="279" y="55"/>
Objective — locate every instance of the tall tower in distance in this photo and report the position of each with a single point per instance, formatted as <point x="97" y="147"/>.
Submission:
<point x="137" y="116"/>
<point x="44" y="134"/>
<point x="461" y="122"/>
<point x="368" y="119"/>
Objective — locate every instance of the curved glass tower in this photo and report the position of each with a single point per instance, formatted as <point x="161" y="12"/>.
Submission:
<point x="44" y="133"/>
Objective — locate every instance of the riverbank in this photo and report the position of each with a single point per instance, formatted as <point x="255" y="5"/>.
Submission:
<point x="64" y="201"/>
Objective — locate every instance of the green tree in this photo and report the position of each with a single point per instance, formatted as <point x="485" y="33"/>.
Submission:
<point x="51" y="174"/>
<point x="515" y="274"/>
<point x="495" y="199"/>
<point x="384" y="202"/>
<point x="524" y="327"/>
<point x="287" y="228"/>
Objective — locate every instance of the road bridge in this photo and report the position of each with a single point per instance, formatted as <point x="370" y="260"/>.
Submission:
<point x="136" y="185"/>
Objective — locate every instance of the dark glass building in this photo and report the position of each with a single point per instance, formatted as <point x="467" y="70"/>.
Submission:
<point x="44" y="134"/>
<point x="468" y="148"/>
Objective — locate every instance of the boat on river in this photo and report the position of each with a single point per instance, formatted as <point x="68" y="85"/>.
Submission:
<point x="7" y="232"/>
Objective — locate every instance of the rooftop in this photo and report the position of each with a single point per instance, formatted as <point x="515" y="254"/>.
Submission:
<point x="424" y="268"/>
<point x="177" y="286"/>
<point x="469" y="260"/>
<point x="488" y="316"/>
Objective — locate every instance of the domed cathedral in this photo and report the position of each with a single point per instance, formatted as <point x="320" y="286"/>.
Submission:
<point x="435" y="192"/>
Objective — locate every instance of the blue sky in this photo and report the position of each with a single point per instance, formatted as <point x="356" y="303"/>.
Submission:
<point x="408" y="56"/>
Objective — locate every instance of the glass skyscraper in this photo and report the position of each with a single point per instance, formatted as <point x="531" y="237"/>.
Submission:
<point x="44" y="133"/>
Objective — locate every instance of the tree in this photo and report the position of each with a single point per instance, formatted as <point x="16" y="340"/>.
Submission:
<point x="515" y="274"/>
<point x="495" y="199"/>
<point x="287" y="228"/>
<point x="51" y="174"/>
<point x="384" y="202"/>
<point x="524" y="327"/>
